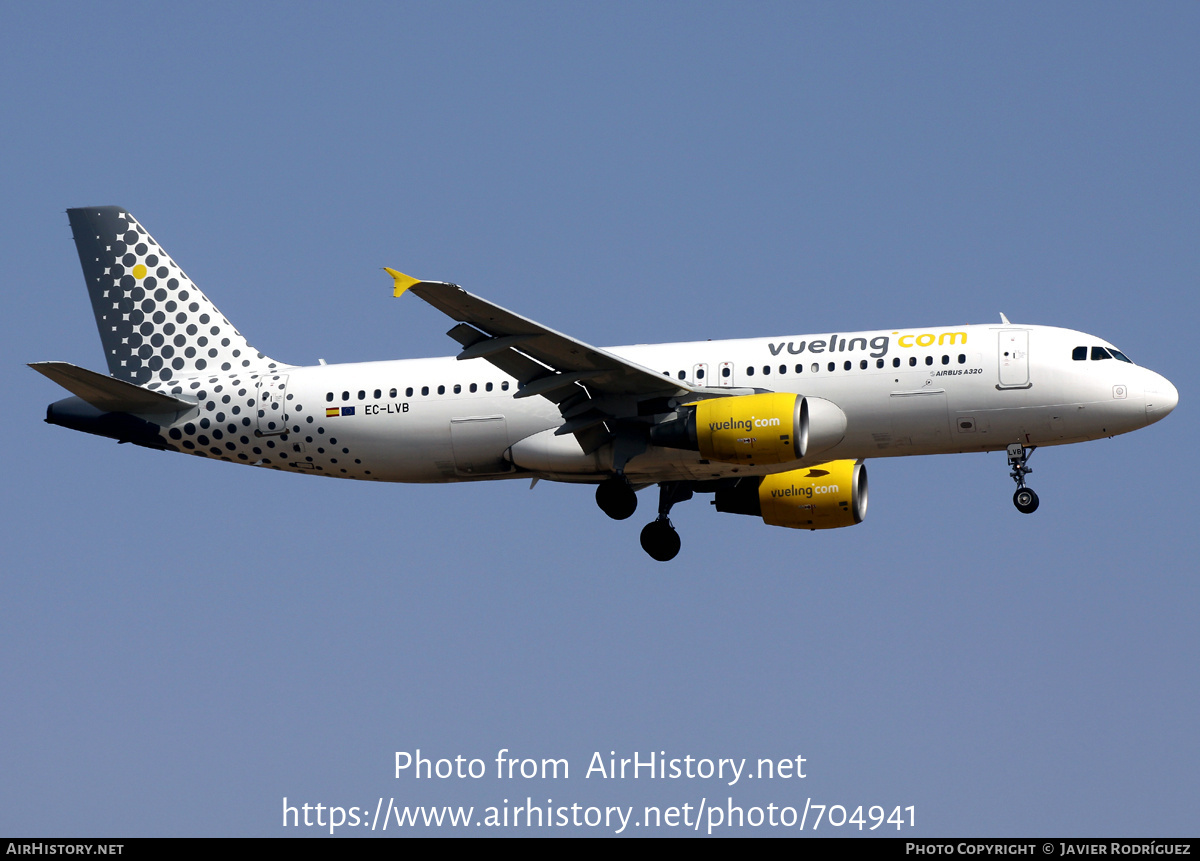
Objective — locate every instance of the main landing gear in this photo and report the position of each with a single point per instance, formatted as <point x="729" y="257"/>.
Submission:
<point x="1024" y="499"/>
<point x="616" y="498"/>
<point x="659" y="537"/>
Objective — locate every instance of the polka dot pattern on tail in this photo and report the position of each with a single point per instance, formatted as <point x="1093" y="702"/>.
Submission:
<point x="154" y="323"/>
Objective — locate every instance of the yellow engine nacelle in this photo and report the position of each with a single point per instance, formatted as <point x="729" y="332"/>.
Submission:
<point x="752" y="429"/>
<point x="825" y="496"/>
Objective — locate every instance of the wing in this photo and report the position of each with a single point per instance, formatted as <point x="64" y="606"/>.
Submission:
<point x="594" y="389"/>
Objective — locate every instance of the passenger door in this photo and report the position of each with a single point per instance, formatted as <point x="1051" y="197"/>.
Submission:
<point x="1013" y="356"/>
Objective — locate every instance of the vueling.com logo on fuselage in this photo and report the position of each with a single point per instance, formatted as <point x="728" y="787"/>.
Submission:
<point x="877" y="345"/>
<point x="744" y="424"/>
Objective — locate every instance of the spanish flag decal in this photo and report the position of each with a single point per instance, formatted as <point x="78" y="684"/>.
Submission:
<point x="330" y="412"/>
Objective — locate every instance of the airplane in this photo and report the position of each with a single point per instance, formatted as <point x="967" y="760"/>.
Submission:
<point x="776" y="428"/>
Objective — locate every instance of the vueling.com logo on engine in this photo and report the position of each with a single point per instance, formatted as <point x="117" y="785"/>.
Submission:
<point x="744" y="424"/>
<point x="785" y="492"/>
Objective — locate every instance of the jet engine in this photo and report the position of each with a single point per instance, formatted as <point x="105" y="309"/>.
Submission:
<point x="825" y="496"/>
<point x="774" y="427"/>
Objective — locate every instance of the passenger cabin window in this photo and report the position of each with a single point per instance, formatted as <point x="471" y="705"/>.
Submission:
<point x="725" y="372"/>
<point x="329" y="396"/>
<point x="833" y="366"/>
<point x="700" y="373"/>
<point x="424" y="390"/>
<point x="799" y="369"/>
<point x="441" y="390"/>
<point x="749" y="372"/>
<point x="458" y="388"/>
<point x="474" y="388"/>
<point x="1099" y="353"/>
<point x="1079" y="354"/>
<point x="945" y="359"/>
<point x="488" y="387"/>
<point x="408" y="392"/>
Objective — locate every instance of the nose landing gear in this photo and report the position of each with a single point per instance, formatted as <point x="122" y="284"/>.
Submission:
<point x="1024" y="499"/>
<point x="659" y="538"/>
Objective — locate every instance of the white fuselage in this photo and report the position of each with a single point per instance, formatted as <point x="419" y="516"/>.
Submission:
<point x="903" y="392"/>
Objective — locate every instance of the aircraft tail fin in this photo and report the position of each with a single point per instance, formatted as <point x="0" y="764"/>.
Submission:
<point x="154" y="323"/>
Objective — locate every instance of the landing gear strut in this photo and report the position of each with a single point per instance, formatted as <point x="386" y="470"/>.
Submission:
<point x="659" y="537"/>
<point x="1024" y="499"/>
<point x="616" y="498"/>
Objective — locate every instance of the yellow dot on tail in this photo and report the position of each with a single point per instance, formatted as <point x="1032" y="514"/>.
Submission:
<point x="139" y="272"/>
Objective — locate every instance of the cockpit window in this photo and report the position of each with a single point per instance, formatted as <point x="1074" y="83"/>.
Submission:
<point x="1119" y="356"/>
<point x="1079" y="354"/>
<point x="1099" y="353"/>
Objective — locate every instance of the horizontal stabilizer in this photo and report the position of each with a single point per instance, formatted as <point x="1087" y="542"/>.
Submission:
<point x="109" y="393"/>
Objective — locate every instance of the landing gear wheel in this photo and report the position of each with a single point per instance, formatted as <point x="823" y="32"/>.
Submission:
<point x="1025" y="500"/>
<point x="660" y="540"/>
<point x="616" y="498"/>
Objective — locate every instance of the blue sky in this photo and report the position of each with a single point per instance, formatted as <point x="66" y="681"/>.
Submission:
<point x="185" y="643"/>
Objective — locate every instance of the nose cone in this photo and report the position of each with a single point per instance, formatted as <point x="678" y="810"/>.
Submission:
<point x="1161" y="397"/>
